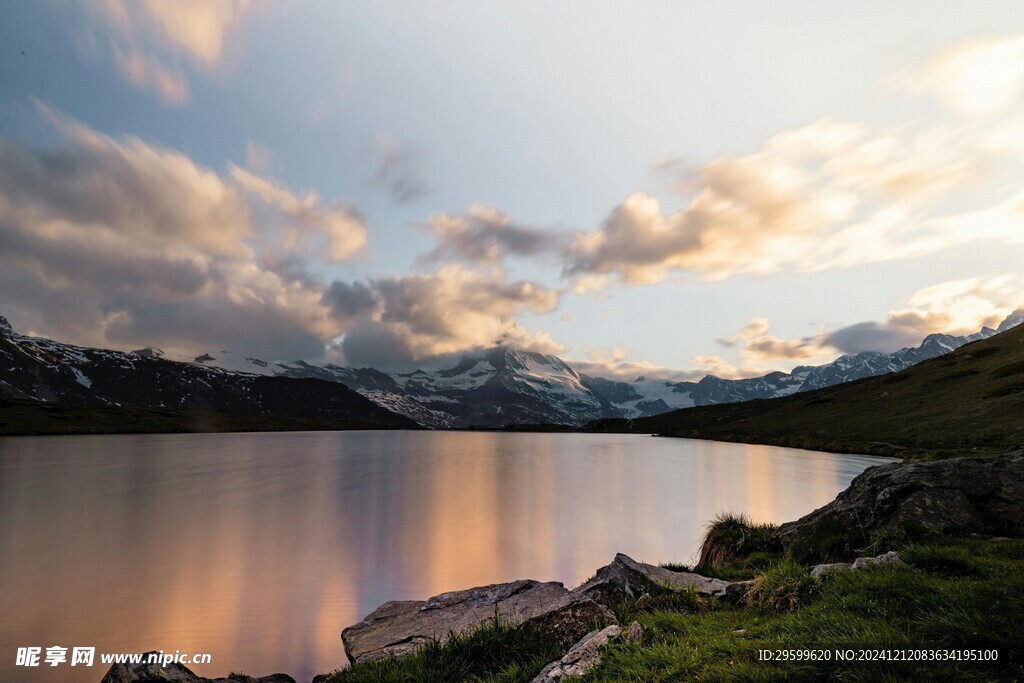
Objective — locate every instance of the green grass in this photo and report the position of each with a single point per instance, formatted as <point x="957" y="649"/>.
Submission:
<point x="969" y="402"/>
<point x="828" y="540"/>
<point x="495" y="653"/>
<point x="785" y="585"/>
<point x="956" y="593"/>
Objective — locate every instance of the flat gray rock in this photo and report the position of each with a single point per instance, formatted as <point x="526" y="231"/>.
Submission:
<point x="890" y="558"/>
<point x="581" y="657"/>
<point x="627" y="578"/>
<point x="399" y="628"/>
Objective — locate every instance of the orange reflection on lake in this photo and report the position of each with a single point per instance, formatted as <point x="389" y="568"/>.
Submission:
<point x="260" y="548"/>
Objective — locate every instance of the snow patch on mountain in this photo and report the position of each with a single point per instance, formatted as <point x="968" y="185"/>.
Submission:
<point x="81" y="378"/>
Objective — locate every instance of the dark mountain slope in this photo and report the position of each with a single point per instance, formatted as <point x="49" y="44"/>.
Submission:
<point x="48" y="387"/>
<point x="967" y="401"/>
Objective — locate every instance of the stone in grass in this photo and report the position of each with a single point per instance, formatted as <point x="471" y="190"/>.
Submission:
<point x="891" y="557"/>
<point x="822" y="570"/>
<point x="581" y="657"/>
<point x="635" y="633"/>
<point x="399" y="628"/>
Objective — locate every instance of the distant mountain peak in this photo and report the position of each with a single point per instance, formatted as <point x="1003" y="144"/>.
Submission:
<point x="5" y="327"/>
<point x="1012" y="320"/>
<point x="149" y="352"/>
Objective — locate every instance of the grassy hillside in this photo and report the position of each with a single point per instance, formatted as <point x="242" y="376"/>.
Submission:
<point x="970" y="401"/>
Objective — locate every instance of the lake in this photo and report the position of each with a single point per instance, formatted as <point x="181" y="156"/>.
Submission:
<point x="260" y="548"/>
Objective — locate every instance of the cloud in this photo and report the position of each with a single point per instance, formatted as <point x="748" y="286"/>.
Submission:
<point x="405" y="319"/>
<point x="151" y="40"/>
<point x="485" y="236"/>
<point x="832" y="194"/>
<point x="349" y="300"/>
<point x="614" y="363"/>
<point x="341" y="224"/>
<point x="142" y="70"/>
<point x="625" y="370"/>
<point x="754" y="328"/>
<point x="259" y="158"/>
<point x="956" y="307"/>
<point x="116" y="242"/>
<point x="977" y="77"/>
<point x="399" y="171"/>
<point x="760" y="352"/>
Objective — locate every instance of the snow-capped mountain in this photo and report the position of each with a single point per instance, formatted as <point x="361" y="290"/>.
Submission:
<point x="36" y="369"/>
<point x="505" y="386"/>
<point x="711" y="390"/>
<point x="496" y="388"/>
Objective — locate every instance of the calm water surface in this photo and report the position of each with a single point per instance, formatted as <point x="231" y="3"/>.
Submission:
<point x="260" y="548"/>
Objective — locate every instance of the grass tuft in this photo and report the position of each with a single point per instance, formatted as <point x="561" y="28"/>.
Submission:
<point x="784" y="586"/>
<point x="731" y="538"/>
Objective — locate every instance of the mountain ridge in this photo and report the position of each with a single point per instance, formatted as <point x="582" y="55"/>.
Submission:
<point x="187" y="396"/>
<point x="966" y="402"/>
<point x="495" y="388"/>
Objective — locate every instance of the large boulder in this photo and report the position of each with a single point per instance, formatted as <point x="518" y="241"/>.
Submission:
<point x="625" y="578"/>
<point x="399" y="628"/>
<point x="946" y="496"/>
<point x="176" y="673"/>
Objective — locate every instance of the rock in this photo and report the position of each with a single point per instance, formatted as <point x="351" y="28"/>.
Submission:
<point x="627" y="578"/>
<point x="823" y="570"/>
<point x="176" y="673"/>
<point x="581" y="658"/>
<point x="399" y="628"/>
<point x="635" y="633"/>
<point x="891" y="557"/>
<point x="947" y="496"/>
<point x="736" y="591"/>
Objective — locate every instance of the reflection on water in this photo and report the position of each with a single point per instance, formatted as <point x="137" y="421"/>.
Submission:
<point x="260" y="548"/>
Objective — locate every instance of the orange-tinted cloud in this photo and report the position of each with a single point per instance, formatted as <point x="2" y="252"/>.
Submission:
<point x="404" y="319"/>
<point x="152" y="41"/>
<point x="829" y="195"/>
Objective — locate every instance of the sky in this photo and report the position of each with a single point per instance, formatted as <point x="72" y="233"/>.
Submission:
<point x="659" y="188"/>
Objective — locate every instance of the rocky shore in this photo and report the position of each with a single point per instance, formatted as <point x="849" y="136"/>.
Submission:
<point x="961" y="496"/>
